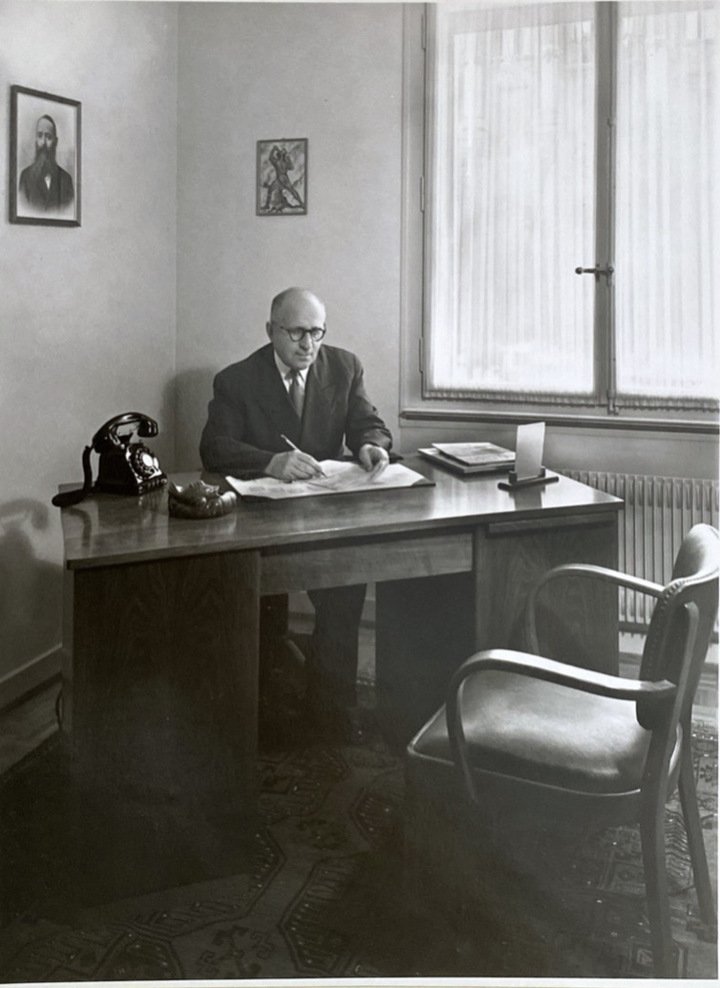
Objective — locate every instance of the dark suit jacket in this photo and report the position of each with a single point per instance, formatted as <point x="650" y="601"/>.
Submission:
<point x="251" y="409"/>
<point x="60" y="194"/>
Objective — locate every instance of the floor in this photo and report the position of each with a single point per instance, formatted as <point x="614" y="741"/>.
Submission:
<point x="27" y="724"/>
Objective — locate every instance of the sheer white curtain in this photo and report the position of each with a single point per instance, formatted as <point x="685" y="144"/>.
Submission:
<point x="511" y="200"/>
<point x="667" y="207"/>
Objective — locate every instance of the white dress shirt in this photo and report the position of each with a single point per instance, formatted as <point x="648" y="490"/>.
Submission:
<point x="287" y="372"/>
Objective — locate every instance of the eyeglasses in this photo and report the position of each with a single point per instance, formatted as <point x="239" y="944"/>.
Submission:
<point x="297" y="333"/>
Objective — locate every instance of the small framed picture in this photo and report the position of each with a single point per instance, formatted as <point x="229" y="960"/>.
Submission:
<point x="44" y="158"/>
<point x="282" y="177"/>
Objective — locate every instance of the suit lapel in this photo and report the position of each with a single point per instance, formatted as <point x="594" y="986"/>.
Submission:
<point x="317" y="410"/>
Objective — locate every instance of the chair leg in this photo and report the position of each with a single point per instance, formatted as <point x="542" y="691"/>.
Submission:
<point x="696" y="844"/>
<point x="652" y="833"/>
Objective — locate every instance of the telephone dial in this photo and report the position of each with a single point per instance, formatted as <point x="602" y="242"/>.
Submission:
<point x="124" y="467"/>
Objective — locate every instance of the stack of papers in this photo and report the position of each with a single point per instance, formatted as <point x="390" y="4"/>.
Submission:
<point x="341" y="477"/>
<point x="469" y="458"/>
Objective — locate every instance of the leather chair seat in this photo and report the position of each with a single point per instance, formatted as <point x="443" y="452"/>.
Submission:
<point x="529" y="729"/>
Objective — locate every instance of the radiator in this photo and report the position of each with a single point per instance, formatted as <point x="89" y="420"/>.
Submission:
<point x="657" y="514"/>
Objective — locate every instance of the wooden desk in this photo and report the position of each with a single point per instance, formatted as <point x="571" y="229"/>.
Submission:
<point x="161" y="614"/>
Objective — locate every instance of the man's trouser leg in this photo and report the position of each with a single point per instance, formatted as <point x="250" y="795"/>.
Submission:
<point x="332" y="672"/>
<point x="273" y="628"/>
<point x="274" y="690"/>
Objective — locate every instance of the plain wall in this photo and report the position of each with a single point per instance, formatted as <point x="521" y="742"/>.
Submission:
<point x="331" y="73"/>
<point x="87" y="314"/>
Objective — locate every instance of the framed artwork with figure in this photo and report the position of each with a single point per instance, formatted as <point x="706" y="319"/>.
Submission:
<point x="282" y="177"/>
<point x="44" y="158"/>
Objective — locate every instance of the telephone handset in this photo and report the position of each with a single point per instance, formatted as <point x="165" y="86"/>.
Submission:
<point x="124" y="467"/>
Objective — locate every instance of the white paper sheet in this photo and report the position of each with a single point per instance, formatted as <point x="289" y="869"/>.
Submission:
<point x="529" y="450"/>
<point x="340" y="478"/>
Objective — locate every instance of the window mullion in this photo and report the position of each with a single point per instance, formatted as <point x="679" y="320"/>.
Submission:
<point x="604" y="329"/>
<point x="429" y="46"/>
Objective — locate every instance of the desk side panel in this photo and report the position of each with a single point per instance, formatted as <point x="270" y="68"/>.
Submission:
<point x="577" y="619"/>
<point x="164" y="670"/>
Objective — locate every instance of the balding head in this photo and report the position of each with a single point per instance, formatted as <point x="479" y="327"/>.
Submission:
<point x="296" y="309"/>
<point x="286" y="306"/>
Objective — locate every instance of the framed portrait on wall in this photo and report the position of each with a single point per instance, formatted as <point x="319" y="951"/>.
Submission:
<point x="282" y="177"/>
<point x="44" y="158"/>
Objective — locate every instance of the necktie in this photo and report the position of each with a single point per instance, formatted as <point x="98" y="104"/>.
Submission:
<point x="296" y="393"/>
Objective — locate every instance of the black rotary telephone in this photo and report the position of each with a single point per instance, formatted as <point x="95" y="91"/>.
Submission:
<point x="125" y="467"/>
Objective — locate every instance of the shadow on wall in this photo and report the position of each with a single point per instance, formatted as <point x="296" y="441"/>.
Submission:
<point x="190" y="392"/>
<point x="30" y="588"/>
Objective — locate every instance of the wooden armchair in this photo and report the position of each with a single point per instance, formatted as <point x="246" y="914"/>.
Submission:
<point x="553" y="742"/>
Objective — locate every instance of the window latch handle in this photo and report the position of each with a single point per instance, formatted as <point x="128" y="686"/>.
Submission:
<point x="597" y="270"/>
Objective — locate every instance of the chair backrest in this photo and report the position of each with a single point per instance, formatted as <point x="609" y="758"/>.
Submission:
<point x="692" y="589"/>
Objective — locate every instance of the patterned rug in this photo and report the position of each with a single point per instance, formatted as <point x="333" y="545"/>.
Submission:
<point x="321" y="893"/>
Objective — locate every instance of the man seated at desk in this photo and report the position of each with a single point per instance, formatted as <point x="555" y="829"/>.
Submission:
<point x="277" y="413"/>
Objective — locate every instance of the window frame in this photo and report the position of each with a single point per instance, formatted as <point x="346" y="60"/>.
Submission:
<point x="603" y="408"/>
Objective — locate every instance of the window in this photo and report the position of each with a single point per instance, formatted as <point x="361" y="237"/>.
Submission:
<point x="562" y="137"/>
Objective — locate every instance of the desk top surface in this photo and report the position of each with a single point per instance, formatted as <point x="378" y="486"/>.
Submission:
<point x="107" y="529"/>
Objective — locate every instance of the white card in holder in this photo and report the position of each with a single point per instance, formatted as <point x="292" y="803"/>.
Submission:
<point x="529" y="450"/>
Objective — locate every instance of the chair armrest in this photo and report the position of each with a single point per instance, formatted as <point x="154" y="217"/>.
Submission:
<point x="598" y="683"/>
<point x="562" y="674"/>
<point x="586" y="571"/>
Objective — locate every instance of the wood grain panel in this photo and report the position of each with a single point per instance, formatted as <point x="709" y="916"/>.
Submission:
<point x="361" y="562"/>
<point x="578" y="621"/>
<point x="164" y="667"/>
<point x="68" y="633"/>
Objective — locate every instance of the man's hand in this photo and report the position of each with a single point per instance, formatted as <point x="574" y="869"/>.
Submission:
<point x="294" y="465"/>
<point x="373" y="458"/>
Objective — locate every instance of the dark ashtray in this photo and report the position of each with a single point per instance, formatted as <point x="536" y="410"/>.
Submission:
<point x="199" y="500"/>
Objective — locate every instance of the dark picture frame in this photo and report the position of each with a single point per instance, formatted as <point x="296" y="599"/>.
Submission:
<point x="282" y="177"/>
<point x="45" y="187"/>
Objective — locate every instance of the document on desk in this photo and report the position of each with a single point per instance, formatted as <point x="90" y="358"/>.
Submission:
<point x="341" y="477"/>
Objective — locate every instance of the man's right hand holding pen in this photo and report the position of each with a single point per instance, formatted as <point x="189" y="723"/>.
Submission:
<point x="293" y="465"/>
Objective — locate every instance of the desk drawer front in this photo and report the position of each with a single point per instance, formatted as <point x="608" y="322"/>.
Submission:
<point x="353" y="562"/>
<point x="556" y="522"/>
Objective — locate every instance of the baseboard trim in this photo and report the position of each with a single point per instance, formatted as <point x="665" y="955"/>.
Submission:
<point x="34" y="674"/>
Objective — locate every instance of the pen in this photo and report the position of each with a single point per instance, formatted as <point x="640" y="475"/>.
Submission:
<point x="292" y="445"/>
